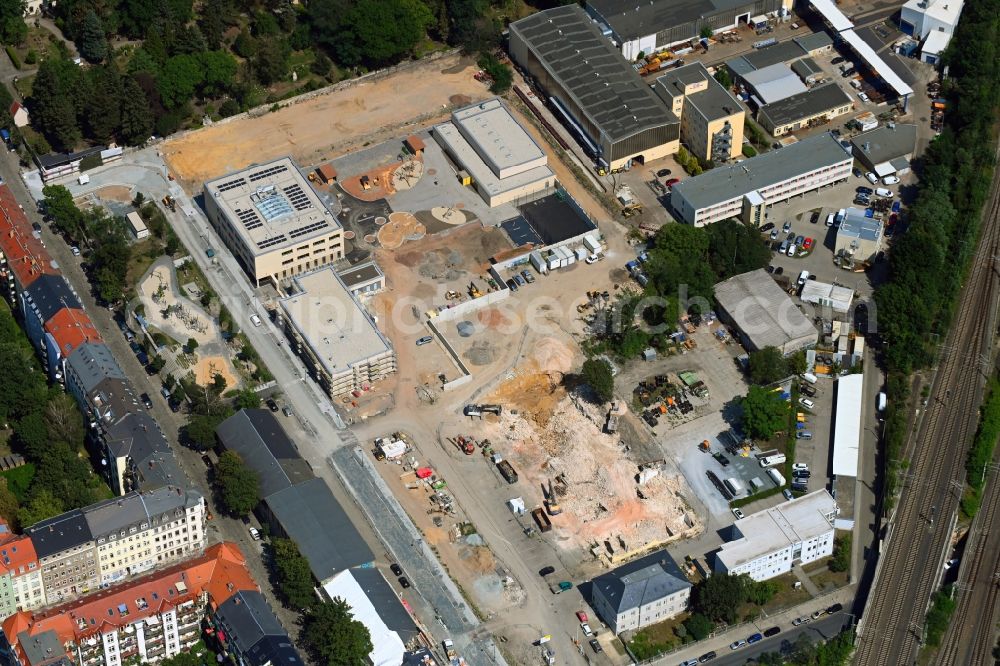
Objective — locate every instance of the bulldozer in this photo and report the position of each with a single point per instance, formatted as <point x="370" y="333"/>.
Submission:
<point x="474" y="290"/>
<point x="631" y="209"/>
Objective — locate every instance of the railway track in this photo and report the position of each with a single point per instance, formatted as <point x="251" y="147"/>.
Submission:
<point x="893" y="625"/>
<point x="970" y="637"/>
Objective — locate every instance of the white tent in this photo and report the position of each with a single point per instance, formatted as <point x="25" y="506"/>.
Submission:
<point x="388" y="647"/>
<point x="392" y="449"/>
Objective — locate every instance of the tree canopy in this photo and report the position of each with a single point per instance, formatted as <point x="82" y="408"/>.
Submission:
<point x="764" y="413"/>
<point x="767" y="366"/>
<point x="596" y="373"/>
<point x="239" y="486"/>
<point x="295" y="579"/>
<point x="334" y="637"/>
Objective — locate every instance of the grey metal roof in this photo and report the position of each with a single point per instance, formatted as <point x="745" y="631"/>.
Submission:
<point x="61" y="159"/>
<point x="762" y="310"/>
<point x="856" y="225"/>
<point x="806" y="68"/>
<point x="592" y="72"/>
<point x="138" y="437"/>
<point x="359" y="274"/>
<point x="642" y="581"/>
<point x="312" y="517"/>
<point x="138" y="508"/>
<point x="712" y="103"/>
<point x="805" y="105"/>
<point x="729" y="182"/>
<point x="739" y="67"/>
<point x="91" y="363"/>
<point x="264" y="446"/>
<point x="49" y="294"/>
<point x="774" y="82"/>
<point x="884" y="144"/>
<point x="386" y="602"/>
<point x="58" y="533"/>
<point x="631" y="20"/>
<point x="816" y="40"/>
<point x="773" y="55"/>
<point x="42" y="648"/>
<point x="255" y="632"/>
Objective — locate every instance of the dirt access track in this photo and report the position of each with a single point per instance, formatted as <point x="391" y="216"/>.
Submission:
<point x="319" y="126"/>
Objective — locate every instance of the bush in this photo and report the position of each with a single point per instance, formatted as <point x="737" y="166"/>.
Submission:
<point x="749" y="151"/>
<point x="501" y="74"/>
<point x="939" y="616"/>
<point x="841" y="560"/>
<point x="699" y="626"/>
<point x="229" y="108"/>
<point x="90" y="162"/>
<point x="597" y="373"/>
<point x="12" y="54"/>
<point x="31" y="58"/>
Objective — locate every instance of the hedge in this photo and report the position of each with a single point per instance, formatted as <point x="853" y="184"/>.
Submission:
<point x="12" y="54"/>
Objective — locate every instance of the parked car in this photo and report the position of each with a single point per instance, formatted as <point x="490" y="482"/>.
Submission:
<point x="425" y="340"/>
<point x="595" y="646"/>
<point x="511" y="285"/>
<point x="786" y="227"/>
<point x="528" y="277"/>
<point x="837" y="60"/>
<point x="736" y="645"/>
<point x="272" y="405"/>
<point x="738" y="513"/>
<point x="581" y="616"/>
<point x="208" y="461"/>
<point x="708" y="656"/>
<point x="773" y="631"/>
<point x="818" y="613"/>
<point x="754" y="638"/>
<point x="254" y="533"/>
<point x="863" y="97"/>
<point x="807" y="403"/>
<point x="767" y="227"/>
<point x="799" y="466"/>
<point x="836" y="608"/>
<point x="801" y="620"/>
<point x="787" y="494"/>
<point x="865" y="190"/>
<point x="792" y="249"/>
<point x="800" y="474"/>
<point x="672" y="182"/>
<point x="689" y="662"/>
<point x="829" y="219"/>
<point x="814" y="218"/>
<point x="807" y="245"/>
<point x="800" y="240"/>
<point x="286" y="410"/>
<point x="871" y="178"/>
<point x="808" y="390"/>
<point x="75" y="250"/>
<point x="849" y="72"/>
<point x="396" y="569"/>
<point x="146" y="401"/>
<point x="403" y="582"/>
<point x="546" y="571"/>
<point x="779" y="270"/>
<point x="663" y="173"/>
<point x="803" y="434"/>
<point x="774" y="234"/>
<point x="255" y="320"/>
<point x="519" y="280"/>
<point x="585" y="628"/>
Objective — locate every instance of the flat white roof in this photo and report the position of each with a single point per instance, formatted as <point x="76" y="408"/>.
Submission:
<point x="946" y="11"/>
<point x="271" y="206"/>
<point x="387" y="646"/>
<point x="831" y="12"/>
<point x="498" y="138"/>
<point x="452" y="140"/>
<point x="780" y="526"/>
<point x="847" y="425"/>
<point x="775" y="82"/>
<point x="936" y="42"/>
<point x="875" y="61"/>
<point x="338" y="330"/>
<point x="135" y="221"/>
<point x="830" y="295"/>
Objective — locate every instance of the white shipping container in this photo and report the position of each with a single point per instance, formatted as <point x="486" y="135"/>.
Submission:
<point x="537" y="262"/>
<point x="592" y="243"/>
<point x="581" y="253"/>
<point x="555" y="261"/>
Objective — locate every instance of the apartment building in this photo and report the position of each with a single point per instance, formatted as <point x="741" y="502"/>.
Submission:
<point x="711" y="118"/>
<point x="146" y="620"/>
<point x="645" y="591"/>
<point x="21" y="585"/>
<point x="744" y="191"/>
<point x="273" y="222"/>
<point x="66" y="554"/>
<point x="771" y="541"/>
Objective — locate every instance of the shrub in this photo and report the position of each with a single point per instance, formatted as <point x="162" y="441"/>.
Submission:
<point x="597" y="373"/>
<point x="90" y="162"/>
<point x="12" y="54"/>
<point x="749" y="151"/>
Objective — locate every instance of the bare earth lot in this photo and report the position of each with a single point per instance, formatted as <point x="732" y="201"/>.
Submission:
<point x="321" y="127"/>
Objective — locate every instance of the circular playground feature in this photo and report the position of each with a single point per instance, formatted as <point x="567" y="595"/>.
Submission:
<point x="401" y="227"/>
<point x="448" y="215"/>
<point x="348" y="235"/>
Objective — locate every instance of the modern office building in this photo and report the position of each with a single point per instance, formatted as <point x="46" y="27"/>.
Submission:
<point x="596" y="93"/>
<point x="711" y="118"/>
<point x="921" y="18"/>
<point x="745" y="190"/>
<point x="815" y="106"/>
<point x="273" y="222"/>
<point x="645" y="591"/>
<point x="334" y="335"/>
<point x="652" y="26"/>
<point x="148" y="619"/>
<point x="770" y="542"/>
<point x="490" y="148"/>
<point x="762" y="313"/>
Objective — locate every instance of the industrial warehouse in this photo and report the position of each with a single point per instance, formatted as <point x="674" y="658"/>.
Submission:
<point x="614" y="114"/>
<point x="651" y="26"/>
<point x="273" y="221"/>
<point x="814" y="106"/>
<point x="744" y="190"/>
<point x="762" y="314"/>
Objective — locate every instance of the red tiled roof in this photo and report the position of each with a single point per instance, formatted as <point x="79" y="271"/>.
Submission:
<point x="14" y="108"/>
<point x="25" y="254"/>
<point x="16" y="553"/>
<point x="71" y="327"/>
<point x="221" y="571"/>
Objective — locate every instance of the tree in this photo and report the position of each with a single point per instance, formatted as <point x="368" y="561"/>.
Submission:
<point x="103" y="108"/>
<point x="767" y="366"/>
<point x="718" y="598"/>
<point x="247" y="399"/>
<point x="63" y="420"/>
<point x="12" y="27"/>
<point x="321" y="65"/>
<point x="66" y="217"/>
<point x="699" y="626"/>
<point x="270" y="62"/>
<point x="380" y="32"/>
<point x="734" y="248"/>
<point x="706" y="32"/>
<point x="218" y="72"/>
<point x="597" y="374"/>
<point x="9" y="508"/>
<point x="334" y="637"/>
<point x="182" y="74"/>
<point x="764" y="413"/>
<point x="41" y="506"/>
<point x="295" y="579"/>
<point x="191" y="345"/>
<point x="239" y="487"/>
<point x="200" y="430"/>
<point x="723" y="77"/>
<point x="20" y="391"/>
<point x="92" y="42"/>
<point x="841" y="560"/>
<point x="501" y="74"/>
<point x="797" y="363"/>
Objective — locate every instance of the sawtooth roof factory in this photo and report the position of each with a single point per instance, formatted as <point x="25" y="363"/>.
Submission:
<point x="592" y="89"/>
<point x="492" y="149"/>
<point x="655" y="25"/>
<point x="744" y="190"/>
<point x="273" y="221"/>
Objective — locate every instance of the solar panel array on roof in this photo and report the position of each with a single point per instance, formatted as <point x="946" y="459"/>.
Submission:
<point x="267" y="173"/>
<point x="225" y="187"/>
<point x="274" y="240"/>
<point x="297" y="197"/>
<point x="309" y="228"/>
<point x="249" y="218"/>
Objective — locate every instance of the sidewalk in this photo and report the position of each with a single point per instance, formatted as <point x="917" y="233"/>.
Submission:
<point x="720" y="642"/>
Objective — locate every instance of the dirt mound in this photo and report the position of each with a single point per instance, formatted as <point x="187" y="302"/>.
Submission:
<point x="460" y="100"/>
<point x="481" y="353"/>
<point x="492" y="318"/>
<point x="552" y="355"/>
<point x="534" y="394"/>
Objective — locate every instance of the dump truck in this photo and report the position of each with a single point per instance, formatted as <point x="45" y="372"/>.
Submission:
<point x="542" y="520"/>
<point x="170" y="203"/>
<point x="507" y="471"/>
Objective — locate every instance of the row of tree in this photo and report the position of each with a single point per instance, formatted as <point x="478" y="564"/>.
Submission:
<point x="685" y="263"/>
<point x="48" y="430"/>
<point x="929" y="262"/>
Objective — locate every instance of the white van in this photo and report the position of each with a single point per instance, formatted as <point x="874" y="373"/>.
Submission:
<point x="771" y="461"/>
<point x="809" y="377"/>
<point x="883" y="192"/>
<point x="791" y="250"/>
<point x="829" y="219"/>
<point x="734" y="487"/>
<point x="776" y="476"/>
<point x="803" y="276"/>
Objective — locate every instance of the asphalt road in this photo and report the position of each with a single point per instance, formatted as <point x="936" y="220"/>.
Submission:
<point x="822" y="629"/>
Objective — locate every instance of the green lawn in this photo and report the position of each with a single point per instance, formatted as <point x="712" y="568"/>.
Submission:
<point x="18" y="479"/>
<point x="657" y="638"/>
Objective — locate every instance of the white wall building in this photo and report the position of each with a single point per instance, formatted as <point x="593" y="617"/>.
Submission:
<point x="645" y="591"/>
<point x="795" y="532"/>
<point x="920" y="18"/>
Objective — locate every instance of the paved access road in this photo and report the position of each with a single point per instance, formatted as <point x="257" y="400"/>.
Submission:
<point x="822" y="629"/>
